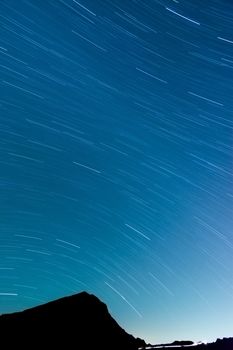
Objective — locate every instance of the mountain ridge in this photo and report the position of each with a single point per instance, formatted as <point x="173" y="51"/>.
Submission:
<point x="79" y="320"/>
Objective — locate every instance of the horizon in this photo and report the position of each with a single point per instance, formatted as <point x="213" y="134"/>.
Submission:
<point x="205" y="341"/>
<point x="116" y="155"/>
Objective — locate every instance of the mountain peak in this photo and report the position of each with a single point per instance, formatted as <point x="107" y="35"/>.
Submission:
<point x="78" y="320"/>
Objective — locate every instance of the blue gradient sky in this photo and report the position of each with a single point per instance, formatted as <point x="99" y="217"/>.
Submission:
<point x="116" y="160"/>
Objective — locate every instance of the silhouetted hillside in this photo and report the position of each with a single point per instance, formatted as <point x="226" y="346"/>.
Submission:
<point x="220" y="344"/>
<point x="80" y="321"/>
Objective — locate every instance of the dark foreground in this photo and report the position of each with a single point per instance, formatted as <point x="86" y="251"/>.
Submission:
<point x="82" y="322"/>
<point x="220" y="344"/>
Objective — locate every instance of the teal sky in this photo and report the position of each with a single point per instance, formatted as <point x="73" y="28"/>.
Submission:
<point x="116" y="160"/>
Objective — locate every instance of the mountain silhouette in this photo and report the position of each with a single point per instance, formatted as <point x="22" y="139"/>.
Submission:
<point x="219" y="344"/>
<point x="79" y="321"/>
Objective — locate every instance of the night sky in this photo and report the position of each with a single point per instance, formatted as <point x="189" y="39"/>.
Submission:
<point x="116" y="160"/>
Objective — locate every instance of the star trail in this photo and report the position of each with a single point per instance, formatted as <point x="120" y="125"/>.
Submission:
<point x="116" y="160"/>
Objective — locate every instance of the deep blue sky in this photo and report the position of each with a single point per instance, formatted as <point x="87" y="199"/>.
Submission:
<point x="116" y="160"/>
